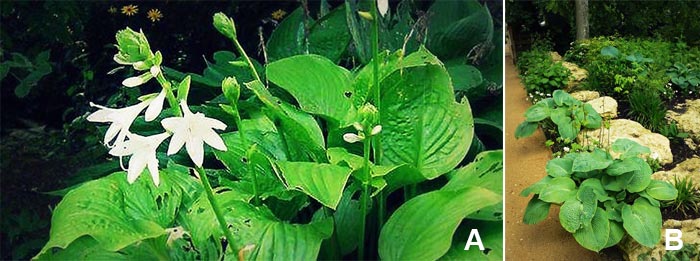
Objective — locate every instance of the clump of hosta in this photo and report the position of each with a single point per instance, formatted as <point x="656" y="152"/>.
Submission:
<point x="602" y="198"/>
<point x="189" y="129"/>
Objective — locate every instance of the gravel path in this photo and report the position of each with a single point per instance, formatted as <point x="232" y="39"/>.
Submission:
<point x="525" y="162"/>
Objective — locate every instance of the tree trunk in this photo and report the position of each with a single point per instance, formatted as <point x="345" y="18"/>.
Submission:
<point x="581" y="19"/>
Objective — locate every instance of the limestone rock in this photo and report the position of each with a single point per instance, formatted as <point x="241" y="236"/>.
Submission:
<point x="688" y="168"/>
<point x="633" y="250"/>
<point x="622" y="128"/>
<point x="585" y="96"/>
<point x="578" y="74"/>
<point x="605" y="106"/>
<point x="687" y="117"/>
<point x="555" y="56"/>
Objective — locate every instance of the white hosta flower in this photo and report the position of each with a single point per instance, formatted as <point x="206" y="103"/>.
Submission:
<point x="360" y="136"/>
<point x="143" y="154"/>
<point x="143" y="78"/>
<point x="155" y="106"/>
<point x="121" y="120"/>
<point x="566" y="149"/>
<point x="193" y="130"/>
<point x="655" y="155"/>
<point x="383" y="6"/>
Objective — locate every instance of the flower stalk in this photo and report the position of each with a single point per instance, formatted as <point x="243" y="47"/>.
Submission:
<point x="215" y="205"/>
<point x="365" y="197"/>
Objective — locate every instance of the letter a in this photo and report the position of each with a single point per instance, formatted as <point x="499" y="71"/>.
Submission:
<point x="477" y="240"/>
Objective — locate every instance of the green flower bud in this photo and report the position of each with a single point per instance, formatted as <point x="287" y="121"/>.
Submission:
<point x="231" y="89"/>
<point x="133" y="49"/>
<point x="369" y="116"/>
<point x="225" y="25"/>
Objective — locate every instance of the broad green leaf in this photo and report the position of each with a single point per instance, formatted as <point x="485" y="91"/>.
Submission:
<point x="329" y="36"/>
<point x="114" y="212"/>
<point x="662" y="190"/>
<point x="347" y="219"/>
<point x="628" y="148"/>
<point x="595" y="236"/>
<point x="642" y="221"/>
<point x="486" y="171"/>
<point x="588" y="161"/>
<point x="467" y="78"/>
<point x="536" y="211"/>
<point x="399" y="240"/>
<point x="617" y="232"/>
<point x="570" y="215"/>
<point x="561" y="97"/>
<point x="638" y="180"/>
<point x="559" y="167"/>
<point x="303" y="136"/>
<point x="525" y="129"/>
<point x="491" y="234"/>
<point x="288" y="38"/>
<point x="610" y="51"/>
<point x="320" y="86"/>
<point x="83" y="248"/>
<point x="272" y="238"/>
<point x="537" y="187"/>
<point x="457" y="37"/>
<point x="592" y="119"/>
<point x="558" y="190"/>
<point x="537" y="112"/>
<point x="422" y="125"/>
<point x="619" y="167"/>
<point x="594" y="185"/>
<point x="567" y="130"/>
<point x="323" y="182"/>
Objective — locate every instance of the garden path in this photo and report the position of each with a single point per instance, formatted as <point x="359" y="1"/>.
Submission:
<point x="525" y="162"/>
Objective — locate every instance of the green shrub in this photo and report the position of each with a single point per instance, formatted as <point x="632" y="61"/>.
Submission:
<point x="687" y="203"/>
<point x="684" y="79"/>
<point x="602" y="198"/>
<point x="544" y="78"/>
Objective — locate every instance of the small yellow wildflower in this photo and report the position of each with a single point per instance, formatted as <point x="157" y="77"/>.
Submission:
<point x="112" y="10"/>
<point x="278" y="14"/>
<point x="155" y="15"/>
<point x="130" y="10"/>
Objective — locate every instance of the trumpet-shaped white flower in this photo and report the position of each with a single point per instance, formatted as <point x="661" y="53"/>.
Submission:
<point x="121" y="120"/>
<point x="143" y="78"/>
<point x="383" y="6"/>
<point x="360" y="136"/>
<point x="143" y="154"/>
<point x="155" y="106"/>
<point x="193" y="130"/>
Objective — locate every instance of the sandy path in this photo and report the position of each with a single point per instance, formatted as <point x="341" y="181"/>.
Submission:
<point x="525" y="162"/>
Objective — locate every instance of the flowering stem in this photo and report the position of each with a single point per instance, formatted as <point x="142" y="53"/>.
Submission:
<point x="215" y="206"/>
<point x="247" y="59"/>
<point x="365" y="198"/>
<point x="169" y="94"/>
<point x="244" y="141"/>
<point x="377" y="145"/>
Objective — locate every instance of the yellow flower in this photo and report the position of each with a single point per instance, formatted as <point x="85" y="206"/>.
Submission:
<point x="130" y="10"/>
<point x="278" y="14"/>
<point x="155" y="15"/>
<point x="112" y="10"/>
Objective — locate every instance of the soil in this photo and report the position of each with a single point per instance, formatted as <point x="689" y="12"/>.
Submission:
<point x="525" y="164"/>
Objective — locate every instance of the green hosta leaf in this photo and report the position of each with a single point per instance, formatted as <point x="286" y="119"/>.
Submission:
<point x="467" y="78"/>
<point x="114" y="212"/>
<point x="491" y="234"/>
<point x="422" y="125"/>
<point x="536" y="211"/>
<point x="486" y="171"/>
<point x="628" y="148"/>
<point x="330" y="35"/>
<point x="461" y="35"/>
<point x="323" y="182"/>
<point x="614" y="183"/>
<point x="567" y="130"/>
<point x="537" y="112"/>
<point x="619" y="167"/>
<point x="662" y="190"/>
<point x="347" y="219"/>
<point x="592" y="119"/>
<point x="273" y="238"/>
<point x="642" y="221"/>
<point x="588" y="161"/>
<point x="638" y="180"/>
<point x="525" y="129"/>
<point x="399" y="240"/>
<point x="303" y="136"/>
<point x="594" y="185"/>
<point x="288" y="38"/>
<point x="559" y="167"/>
<point x="562" y="98"/>
<point x="616" y="234"/>
<point x="320" y="86"/>
<point x="537" y="187"/>
<point x="595" y="236"/>
<point x="83" y="248"/>
<point x="610" y="51"/>
<point x="558" y="190"/>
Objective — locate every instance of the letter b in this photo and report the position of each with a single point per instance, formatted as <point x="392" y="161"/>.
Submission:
<point x="674" y="235"/>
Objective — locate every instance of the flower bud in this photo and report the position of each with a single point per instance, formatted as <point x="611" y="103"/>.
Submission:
<point x="231" y="89"/>
<point x="225" y="25"/>
<point x="369" y="116"/>
<point x="133" y="47"/>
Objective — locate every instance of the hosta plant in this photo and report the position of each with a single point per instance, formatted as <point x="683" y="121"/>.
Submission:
<point x="295" y="159"/>
<point x="561" y="112"/>
<point x="602" y="198"/>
